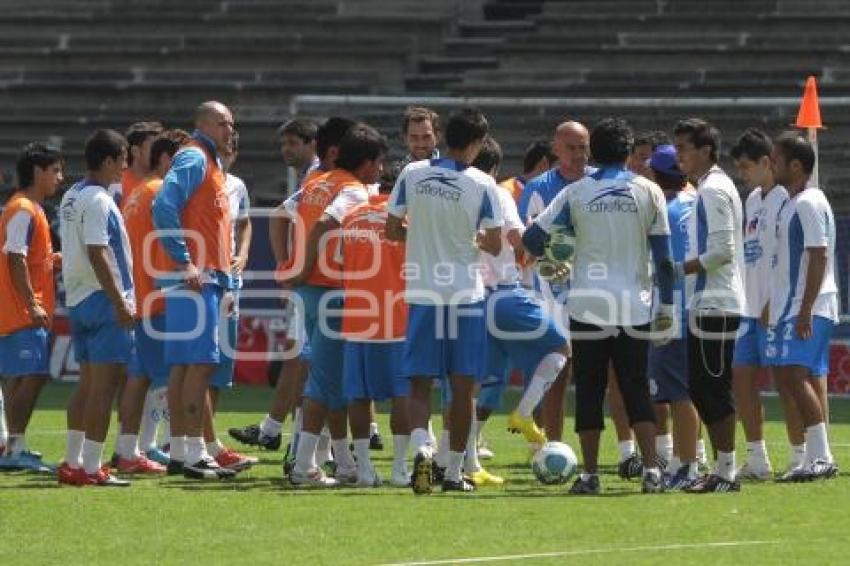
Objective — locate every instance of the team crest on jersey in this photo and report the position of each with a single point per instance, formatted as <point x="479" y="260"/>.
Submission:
<point x="612" y="199"/>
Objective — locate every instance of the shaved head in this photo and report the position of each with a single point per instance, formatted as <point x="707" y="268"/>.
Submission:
<point x="571" y="144"/>
<point x="214" y="120"/>
<point x="572" y="128"/>
<point x="210" y="110"/>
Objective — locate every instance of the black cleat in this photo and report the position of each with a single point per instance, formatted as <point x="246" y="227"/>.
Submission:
<point x="437" y="472"/>
<point x="653" y="483"/>
<point x="630" y="468"/>
<point x="464" y="485"/>
<point x="819" y="469"/>
<point x="252" y="436"/>
<point x="288" y="460"/>
<point x="376" y="442"/>
<point x="207" y="469"/>
<point x="175" y="468"/>
<point x="712" y="483"/>
<point x="422" y="478"/>
<point x="113" y="462"/>
<point x="586" y="486"/>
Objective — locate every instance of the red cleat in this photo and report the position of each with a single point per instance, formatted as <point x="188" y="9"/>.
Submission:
<point x="71" y="476"/>
<point x="139" y="465"/>
<point x="229" y="458"/>
<point x="103" y="478"/>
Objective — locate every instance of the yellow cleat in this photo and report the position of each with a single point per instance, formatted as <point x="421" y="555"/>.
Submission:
<point x="527" y="427"/>
<point x="482" y="477"/>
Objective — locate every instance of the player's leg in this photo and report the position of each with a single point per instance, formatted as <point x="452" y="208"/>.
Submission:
<point x="617" y="409"/>
<point x="177" y="432"/>
<point x="793" y="426"/>
<point x="104" y="382"/>
<point x="131" y="406"/>
<point x="746" y="364"/>
<point x="75" y="414"/>
<point x="553" y="408"/>
<point x="663" y="434"/>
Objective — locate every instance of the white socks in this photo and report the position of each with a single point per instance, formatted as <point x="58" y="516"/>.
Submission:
<point x="74" y="448"/>
<point x="305" y="456"/>
<point x="373" y="429"/>
<point x="797" y="456"/>
<point x="442" y="455"/>
<point x="400" y="442"/>
<point x="323" y="449"/>
<point x="128" y="446"/>
<point x="196" y="450"/>
<point x="92" y="453"/>
<point x="342" y="454"/>
<point x="178" y="448"/>
<point x="757" y="454"/>
<point x="270" y="427"/>
<point x="454" y="465"/>
<point x="664" y="446"/>
<point x="627" y="448"/>
<point x="154" y="414"/>
<point x="471" y="464"/>
<point x="545" y="374"/>
<point x="361" y="452"/>
<point x="725" y="465"/>
<point x="421" y="441"/>
<point x="817" y="445"/>
<point x="215" y="448"/>
<point x="16" y="444"/>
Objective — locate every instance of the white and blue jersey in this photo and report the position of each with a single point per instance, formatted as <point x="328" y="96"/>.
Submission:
<point x="541" y="190"/>
<point x="614" y="214"/>
<point x="679" y="211"/>
<point x="446" y="202"/>
<point x="88" y="216"/>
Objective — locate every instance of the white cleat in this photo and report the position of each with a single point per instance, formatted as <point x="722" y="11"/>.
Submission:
<point x="755" y="472"/>
<point x="346" y="477"/>
<point x="314" y="478"/>
<point x="369" y="479"/>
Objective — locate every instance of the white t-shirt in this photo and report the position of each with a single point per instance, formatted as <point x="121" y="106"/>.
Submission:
<point x="760" y="246"/>
<point x="89" y="216"/>
<point x="446" y="203"/>
<point x="612" y="212"/>
<point x="503" y="269"/>
<point x="805" y="221"/>
<point x="718" y="209"/>
<point x="18" y="233"/>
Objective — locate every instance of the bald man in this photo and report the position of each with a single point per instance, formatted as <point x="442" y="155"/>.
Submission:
<point x="192" y="214"/>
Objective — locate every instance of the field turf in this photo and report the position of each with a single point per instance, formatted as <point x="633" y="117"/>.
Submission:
<point x="260" y="519"/>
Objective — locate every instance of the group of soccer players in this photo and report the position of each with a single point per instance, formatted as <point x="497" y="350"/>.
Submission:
<point x="639" y="277"/>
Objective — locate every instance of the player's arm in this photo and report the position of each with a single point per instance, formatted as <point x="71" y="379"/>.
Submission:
<point x="815" y="241"/>
<point x="395" y="230"/>
<point x="96" y="239"/>
<point x="491" y="218"/>
<point x="280" y="223"/>
<point x="720" y="243"/>
<point x="243" y="232"/>
<point x="558" y="212"/>
<point x="658" y="233"/>
<point x="183" y="179"/>
<point x="325" y="224"/>
<point x="18" y="236"/>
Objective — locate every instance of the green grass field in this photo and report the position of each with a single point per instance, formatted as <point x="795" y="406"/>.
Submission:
<point x="260" y="519"/>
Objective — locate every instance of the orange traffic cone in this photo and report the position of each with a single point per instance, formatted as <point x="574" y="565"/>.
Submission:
<point x="809" y="114"/>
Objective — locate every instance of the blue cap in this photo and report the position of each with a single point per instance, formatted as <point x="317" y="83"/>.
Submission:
<point x="664" y="161"/>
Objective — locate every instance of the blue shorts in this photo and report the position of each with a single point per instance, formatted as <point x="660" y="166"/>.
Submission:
<point x="444" y="340"/>
<point x="785" y="348"/>
<point x="192" y="321"/>
<point x="96" y="334"/>
<point x="519" y="331"/>
<point x="25" y="352"/>
<point x="750" y="344"/>
<point x="493" y="388"/>
<point x="667" y="369"/>
<point x="324" y="378"/>
<point x="149" y="354"/>
<point x="372" y="370"/>
<point x="223" y="376"/>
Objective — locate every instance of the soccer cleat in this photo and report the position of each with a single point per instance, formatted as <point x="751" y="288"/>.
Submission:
<point x="630" y="468"/>
<point x="314" y="478"/>
<point x="26" y="460"/>
<point x="527" y="426"/>
<point x="376" y="442"/>
<point x="652" y="482"/>
<point x="140" y="465"/>
<point x="113" y="462"/>
<point x="400" y="477"/>
<point x="207" y="469"/>
<point x="681" y="479"/>
<point x="288" y="460"/>
<point x="102" y="478"/>
<point x="229" y="458"/>
<point x="819" y="469"/>
<point x="175" y="468"/>
<point x="755" y="472"/>
<point x="712" y="483"/>
<point x="329" y="468"/>
<point x="482" y="477"/>
<point x="368" y="479"/>
<point x="463" y="486"/>
<point x="154" y="454"/>
<point x="586" y="484"/>
<point x="423" y="474"/>
<point x="438" y="472"/>
<point x="67" y="475"/>
<point x="484" y="451"/>
<point x="252" y="435"/>
<point x="346" y="477"/>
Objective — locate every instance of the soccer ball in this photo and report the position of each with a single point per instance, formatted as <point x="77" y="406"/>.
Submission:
<point x="561" y="246"/>
<point x="554" y="463"/>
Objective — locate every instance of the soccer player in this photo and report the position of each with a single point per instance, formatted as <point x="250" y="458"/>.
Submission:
<point x="298" y="148"/>
<point x="445" y="203"/>
<point x="803" y="299"/>
<point x="538" y="159"/>
<point x="752" y="159"/>
<point x="97" y="273"/>
<point x="192" y="216"/>
<point x="289" y="388"/>
<point x="715" y="291"/>
<point x="147" y="369"/>
<point x="520" y="333"/>
<point x="421" y="131"/>
<point x="240" y="221"/>
<point x="617" y="217"/>
<point x="139" y="136"/>
<point x="668" y="363"/>
<point x="374" y="314"/>
<point x="314" y="274"/>
<point x="27" y="263"/>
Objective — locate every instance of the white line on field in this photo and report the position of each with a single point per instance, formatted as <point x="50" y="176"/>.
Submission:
<point x="586" y="551"/>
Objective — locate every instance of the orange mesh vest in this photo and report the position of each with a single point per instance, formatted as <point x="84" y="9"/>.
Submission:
<point x="148" y="255"/>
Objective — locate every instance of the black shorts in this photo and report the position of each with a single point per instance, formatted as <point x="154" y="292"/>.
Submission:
<point x="711" y="344"/>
